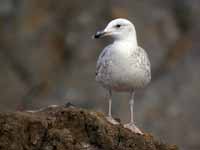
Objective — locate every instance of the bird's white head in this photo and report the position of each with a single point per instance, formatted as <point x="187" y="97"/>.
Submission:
<point x="118" y="29"/>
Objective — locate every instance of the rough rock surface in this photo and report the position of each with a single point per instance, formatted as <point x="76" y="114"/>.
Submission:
<point x="67" y="127"/>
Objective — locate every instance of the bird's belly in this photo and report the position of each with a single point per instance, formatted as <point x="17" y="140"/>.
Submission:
<point x="128" y="80"/>
<point x="123" y="77"/>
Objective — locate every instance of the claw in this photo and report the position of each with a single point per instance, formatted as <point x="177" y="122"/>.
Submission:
<point x="133" y="128"/>
<point x="111" y="120"/>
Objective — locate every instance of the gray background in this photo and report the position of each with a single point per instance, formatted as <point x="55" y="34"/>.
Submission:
<point x="47" y="56"/>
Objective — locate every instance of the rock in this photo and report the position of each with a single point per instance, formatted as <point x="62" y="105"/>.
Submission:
<point x="62" y="128"/>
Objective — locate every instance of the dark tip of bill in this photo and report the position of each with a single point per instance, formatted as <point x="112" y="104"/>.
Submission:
<point x="94" y="36"/>
<point x="98" y="35"/>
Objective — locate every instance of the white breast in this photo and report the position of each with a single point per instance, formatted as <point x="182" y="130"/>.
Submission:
<point x="123" y="68"/>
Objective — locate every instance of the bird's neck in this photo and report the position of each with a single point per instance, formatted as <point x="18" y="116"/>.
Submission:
<point x="130" y="41"/>
<point x="124" y="47"/>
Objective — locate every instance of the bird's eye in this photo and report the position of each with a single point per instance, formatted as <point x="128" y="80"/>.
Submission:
<point x="118" y="26"/>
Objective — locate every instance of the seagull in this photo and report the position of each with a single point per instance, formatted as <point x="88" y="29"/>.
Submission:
<point x="122" y="66"/>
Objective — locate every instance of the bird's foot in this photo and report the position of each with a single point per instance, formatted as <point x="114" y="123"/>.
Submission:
<point x="131" y="126"/>
<point x="111" y="120"/>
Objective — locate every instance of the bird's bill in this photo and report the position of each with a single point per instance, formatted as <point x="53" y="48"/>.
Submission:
<point x="100" y="34"/>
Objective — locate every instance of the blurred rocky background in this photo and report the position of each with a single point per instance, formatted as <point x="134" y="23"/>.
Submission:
<point x="47" y="56"/>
